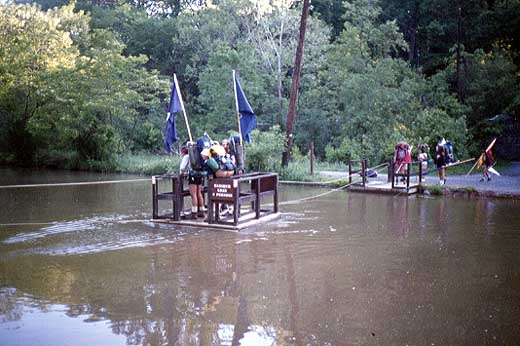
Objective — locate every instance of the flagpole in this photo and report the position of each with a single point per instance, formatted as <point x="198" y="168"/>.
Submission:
<point x="182" y="105"/>
<point x="236" y="105"/>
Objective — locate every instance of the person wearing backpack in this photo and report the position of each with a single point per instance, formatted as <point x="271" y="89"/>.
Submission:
<point x="422" y="157"/>
<point x="214" y="167"/>
<point x="441" y="159"/>
<point x="195" y="181"/>
<point x="402" y="158"/>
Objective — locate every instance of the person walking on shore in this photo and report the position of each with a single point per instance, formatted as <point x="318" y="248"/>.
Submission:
<point x="486" y="161"/>
<point x="441" y="159"/>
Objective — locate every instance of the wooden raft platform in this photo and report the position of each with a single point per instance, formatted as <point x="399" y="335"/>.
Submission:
<point x="242" y="194"/>
<point x="245" y="221"/>
<point x="404" y="182"/>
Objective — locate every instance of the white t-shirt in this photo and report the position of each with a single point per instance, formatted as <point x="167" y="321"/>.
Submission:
<point x="185" y="164"/>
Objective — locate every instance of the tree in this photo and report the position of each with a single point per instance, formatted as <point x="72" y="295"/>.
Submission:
<point x="380" y="100"/>
<point x="32" y="44"/>
<point x="294" y="86"/>
<point x="61" y="107"/>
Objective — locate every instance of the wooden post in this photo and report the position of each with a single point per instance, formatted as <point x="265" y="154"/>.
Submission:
<point x="311" y="157"/>
<point x="391" y="172"/>
<point x="178" y="181"/>
<point x="275" y="196"/>
<point x="350" y="171"/>
<point x="420" y="172"/>
<point x="257" y="199"/>
<point x="175" y="197"/>
<point x="236" y="205"/>
<point x="154" y="198"/>
<point x="364" y="171"/>
<point x="210" y="204"/>
<point x="390" y="176"/>
<point x="408" y="169"/>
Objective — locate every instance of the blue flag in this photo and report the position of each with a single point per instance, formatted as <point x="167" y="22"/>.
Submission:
<point x="247" y="116"/>
<point x="170" y="134"/>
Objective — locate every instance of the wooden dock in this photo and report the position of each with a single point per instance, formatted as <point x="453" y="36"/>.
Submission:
<point x="384" y="187"/>
<point x="392" y="183"/>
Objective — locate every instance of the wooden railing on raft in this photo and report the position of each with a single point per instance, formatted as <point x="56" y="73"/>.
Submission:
<point x="239" y="190"/>
<point x="235" y="190"/>
<point x="176" y="195"/>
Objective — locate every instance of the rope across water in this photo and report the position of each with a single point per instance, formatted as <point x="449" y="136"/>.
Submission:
<point x="141" y="180"/>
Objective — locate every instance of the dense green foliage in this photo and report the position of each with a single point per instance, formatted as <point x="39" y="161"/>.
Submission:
<point x="83" y="82"/>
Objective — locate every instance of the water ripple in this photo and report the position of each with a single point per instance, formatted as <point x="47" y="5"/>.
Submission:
<point x="65" y="227"/>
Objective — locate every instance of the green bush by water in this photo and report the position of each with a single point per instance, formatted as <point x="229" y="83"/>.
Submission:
<point x="147" y="164"/>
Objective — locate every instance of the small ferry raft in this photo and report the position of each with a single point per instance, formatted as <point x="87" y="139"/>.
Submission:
<point x="243" y="197"/>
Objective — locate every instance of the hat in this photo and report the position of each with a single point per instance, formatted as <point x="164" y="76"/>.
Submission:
<point x="205" y="152"/>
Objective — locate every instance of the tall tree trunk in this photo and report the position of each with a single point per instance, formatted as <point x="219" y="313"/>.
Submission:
<point x="294" y="87"/>
<point x="412" y="51"/>
<point x="279" y="75"/>
<point x="460" y="87"/>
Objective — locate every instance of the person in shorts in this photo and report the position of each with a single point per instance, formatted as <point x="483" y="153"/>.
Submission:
<point x="195" y="183"/>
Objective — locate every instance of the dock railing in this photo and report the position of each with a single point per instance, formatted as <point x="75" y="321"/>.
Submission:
<point x="394" y="174"/>
<point x="363" y="171"/>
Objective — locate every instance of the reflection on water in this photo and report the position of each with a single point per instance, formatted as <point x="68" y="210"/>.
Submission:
<point x="344" y="269"/>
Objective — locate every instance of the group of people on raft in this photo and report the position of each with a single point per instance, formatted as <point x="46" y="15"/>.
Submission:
<point x="443" y="157"/>
<point x="207" y="158"/>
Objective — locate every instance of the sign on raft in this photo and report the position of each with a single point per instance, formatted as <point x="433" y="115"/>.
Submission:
<point x="223" y="190"/>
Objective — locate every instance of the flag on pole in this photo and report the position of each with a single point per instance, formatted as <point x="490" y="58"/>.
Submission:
<point x="247" y="116"/>
<point x="170" y="134"/>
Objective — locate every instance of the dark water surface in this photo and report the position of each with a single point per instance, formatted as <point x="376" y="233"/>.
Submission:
<point x="81" y="265"/>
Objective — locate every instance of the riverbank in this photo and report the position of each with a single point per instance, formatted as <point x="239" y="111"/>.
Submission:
<point x="507" y="185"/>
<point x="335" y="175"/>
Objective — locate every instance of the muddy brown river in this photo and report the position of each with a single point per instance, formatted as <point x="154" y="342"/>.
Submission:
<point x="82" y="265"/>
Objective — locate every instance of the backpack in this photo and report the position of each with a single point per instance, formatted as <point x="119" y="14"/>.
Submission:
<point x="449" y="152"/>
<point x="400" y="153"/>
<point x="194" y="150"/>
<point x="225" y="163"/>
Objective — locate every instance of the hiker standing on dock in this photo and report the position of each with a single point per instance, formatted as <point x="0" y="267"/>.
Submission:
<point x="195" y="181"/>
<point x="422" y="157"/>
<point x="441" y="159"/>
<point x="402" y="158"/>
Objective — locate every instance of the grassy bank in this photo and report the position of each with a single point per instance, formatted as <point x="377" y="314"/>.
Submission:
<point x="149" y="164"/>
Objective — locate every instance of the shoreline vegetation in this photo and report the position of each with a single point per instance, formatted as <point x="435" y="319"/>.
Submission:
<point x="297" y="173"/>
<point x="363" y="87"/>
